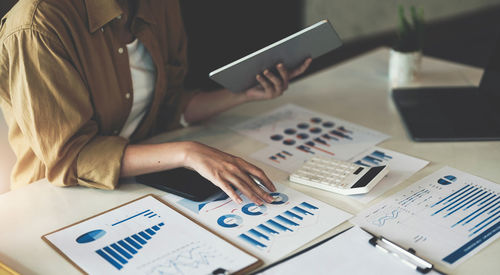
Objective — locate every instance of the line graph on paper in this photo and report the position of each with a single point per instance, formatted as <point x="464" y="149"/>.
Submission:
<point x="381" y="220"/>
<point x="449" y="215"/>
<point x="186" y="260"/>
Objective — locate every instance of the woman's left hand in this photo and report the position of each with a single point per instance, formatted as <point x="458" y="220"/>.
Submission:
<point x="271" y="86"/>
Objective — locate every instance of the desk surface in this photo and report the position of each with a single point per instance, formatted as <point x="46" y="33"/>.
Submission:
<point x="356" y="91"/>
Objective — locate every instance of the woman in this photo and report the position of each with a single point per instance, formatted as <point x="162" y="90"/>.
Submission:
<point x="82" y="81"/>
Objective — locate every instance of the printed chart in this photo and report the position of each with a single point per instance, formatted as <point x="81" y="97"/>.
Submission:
<point x="270" y="231"/>
<point x="401" y="167"/>
<point x="448" y="216"/>
<point x="294" y="134"/>
<point x="131" y="240"/>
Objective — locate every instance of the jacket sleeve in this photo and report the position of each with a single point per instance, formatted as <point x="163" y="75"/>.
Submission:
<point x="54" y="111"/>
<point x="176" y="67"/>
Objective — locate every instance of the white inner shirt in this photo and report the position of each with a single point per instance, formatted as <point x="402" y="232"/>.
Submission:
<point x="143" y="74"/>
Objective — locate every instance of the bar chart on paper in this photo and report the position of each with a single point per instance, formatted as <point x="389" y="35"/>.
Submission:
<point x="262" y="235"/>
<point x="449" y="214"/>
<point x="146" y="237"/>
<point x="271" y="230"/>
<point x="295" y="134"/>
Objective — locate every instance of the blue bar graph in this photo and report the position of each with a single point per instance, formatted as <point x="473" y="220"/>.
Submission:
<point x="263" y="234"/>
<point x="482" y="197"/>
<point x="121" y="251"/>
<point x="117" y="254"/>
<point x="292" y="215"/>
<point x="258" y="234"/>
<point x="109" y="259"/>
<point x="133" y="243"/>
<point x="480" y="213"/>
<point x="302" y="211"/>
<point x="485" y="220"/>
<point x="484" y="226"/>
<point x="279" y="226"/>
<point x="139" y="239"/>
<point x="473" y="213"/>
<point x="144" y="235"/>
<point x="465" y="193"/>
<point x="308" y="205"/>
<point x="413" y="197"/>
<point x="287" y="221"/>
<point x="452" y="194"/>
<point x="380" y="154"/>
<point x="117" y="223"/>
<point x="252" y="241"/>
<point x="127" y="247"/>
<point x="492" y="197"/>
<point x="463" y="203"/>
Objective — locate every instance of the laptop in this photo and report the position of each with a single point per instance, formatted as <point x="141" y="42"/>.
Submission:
<point x="454" y="113"/>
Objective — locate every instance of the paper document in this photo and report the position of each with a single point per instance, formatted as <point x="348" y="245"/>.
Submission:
<point x="295" y="134"/>
<point x="401" y="167"/>
<point x="348" y="253"/>
<point x="447" y="216"/>
<point x="270" y="231"/>
<point x="146" y="237"/>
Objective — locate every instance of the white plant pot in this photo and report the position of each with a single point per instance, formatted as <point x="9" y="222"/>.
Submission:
<point x="403" y="67"/>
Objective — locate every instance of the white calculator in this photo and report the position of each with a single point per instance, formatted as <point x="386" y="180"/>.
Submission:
<point x="338" y="176"/>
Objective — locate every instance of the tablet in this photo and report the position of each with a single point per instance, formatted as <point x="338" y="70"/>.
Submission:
<point x="181" y="182"/>
<point x="292" y="51"/>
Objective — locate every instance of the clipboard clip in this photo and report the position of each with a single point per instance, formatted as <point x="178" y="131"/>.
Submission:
<point x="408" y="257"/>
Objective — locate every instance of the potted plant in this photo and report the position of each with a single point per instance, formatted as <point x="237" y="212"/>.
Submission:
<point x="406" y="53"/>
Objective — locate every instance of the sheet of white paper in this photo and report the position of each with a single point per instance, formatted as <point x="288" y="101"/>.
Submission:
<point x="401" y="167"/>
<point x="279" y="158"/>
<point x="146" y="237"/>
<point x="302" y="133"/>
<point x="447" y="216"/>
<point x="347" y="253"/>
<point x="270" y="231"/>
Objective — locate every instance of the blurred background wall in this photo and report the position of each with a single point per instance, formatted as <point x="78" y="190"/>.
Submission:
<point x="357" y="18"/>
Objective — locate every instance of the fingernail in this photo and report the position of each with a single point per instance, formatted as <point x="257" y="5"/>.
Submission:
<point x="266" y="72"/>
<point x="239" y="200"/>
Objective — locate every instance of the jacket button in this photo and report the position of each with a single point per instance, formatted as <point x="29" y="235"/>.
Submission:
<point x="120" y="50"/>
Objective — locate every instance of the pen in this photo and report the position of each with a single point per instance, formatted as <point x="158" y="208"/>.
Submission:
<point x="258" y="182"/>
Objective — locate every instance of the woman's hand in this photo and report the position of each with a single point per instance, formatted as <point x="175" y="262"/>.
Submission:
<point x="271" y="86"/>
<point x="227" y="171"/>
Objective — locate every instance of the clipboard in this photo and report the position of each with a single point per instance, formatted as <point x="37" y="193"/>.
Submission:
<point x="401" y="255"/>
<point x="219" y="270"/>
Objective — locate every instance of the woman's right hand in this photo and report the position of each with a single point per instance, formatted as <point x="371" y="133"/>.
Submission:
<point x="228" y="171"/>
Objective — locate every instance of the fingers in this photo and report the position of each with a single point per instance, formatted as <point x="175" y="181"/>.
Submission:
<point x="300" y="70"/>
<point x="284" y="75"/>
<point x="261" y="176"/>
<point x="237" y="175"/>
<point x="264" y="83"/>
<point x="278" y="85"/>
<point x="255" y="189"/>
<point x="226" y="187"/>
<point x="242" y="183"/>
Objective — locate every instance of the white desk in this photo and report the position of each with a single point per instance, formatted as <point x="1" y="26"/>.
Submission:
<point x="356" y="91"/>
